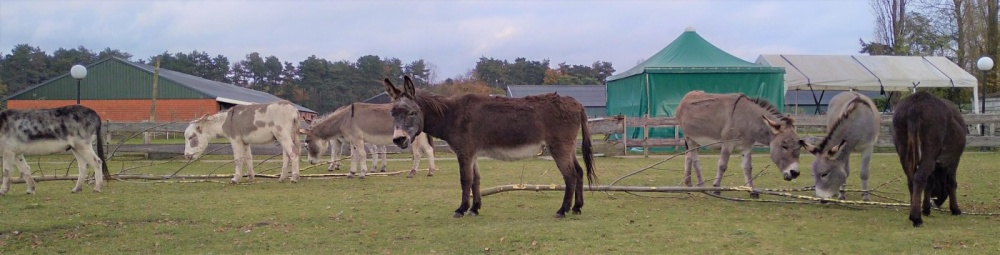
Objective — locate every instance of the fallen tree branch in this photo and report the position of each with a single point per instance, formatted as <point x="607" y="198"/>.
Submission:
<point x="196" y="177"/>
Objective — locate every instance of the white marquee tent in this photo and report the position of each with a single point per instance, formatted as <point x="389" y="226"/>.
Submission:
<point x="870" y="73"/>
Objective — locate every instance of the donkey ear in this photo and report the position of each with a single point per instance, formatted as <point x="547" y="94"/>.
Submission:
<point x="836" y="150"/>
<point x="390" y="89"/>
<point x="808" y="147"/>
<point x="408" y="88"/>
<point x="775" y="126"/>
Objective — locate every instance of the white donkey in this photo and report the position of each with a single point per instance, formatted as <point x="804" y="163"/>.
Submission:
<point x="852" y="125"/>
<point x="48" y="131"/>
<point x="361" y="123"/>
<point x="245" y="125"/>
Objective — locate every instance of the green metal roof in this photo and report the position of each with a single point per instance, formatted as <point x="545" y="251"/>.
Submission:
<point x="116" y="78"/>
<point x="690" y="53"/>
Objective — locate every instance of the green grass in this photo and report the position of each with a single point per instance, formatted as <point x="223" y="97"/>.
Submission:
<point x="394" y="214"/>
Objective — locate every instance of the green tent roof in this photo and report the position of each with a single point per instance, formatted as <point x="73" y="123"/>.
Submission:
<point x="690" y="53"/>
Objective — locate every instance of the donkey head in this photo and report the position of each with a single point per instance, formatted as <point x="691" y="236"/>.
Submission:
<point x="784" y="147"/>
<point x="196" y="138"/>
<point x="829" y="170"/>
<point x="407" y="117"/>
<point x="315" y="147"/>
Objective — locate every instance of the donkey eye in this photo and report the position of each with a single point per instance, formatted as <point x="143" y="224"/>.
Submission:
<point x="824" y="174"/>
<point x="413" y="113"/>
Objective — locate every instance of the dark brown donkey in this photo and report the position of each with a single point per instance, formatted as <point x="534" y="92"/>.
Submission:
<point x="929" y="134"/>
<point x="501" y="128"/>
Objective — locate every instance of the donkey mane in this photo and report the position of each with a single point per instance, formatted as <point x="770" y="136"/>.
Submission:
<point x="763" y="103"/>
<point x="431" y="101"/>
<point x="328" y="120"/>
<point x="840" y="119"/>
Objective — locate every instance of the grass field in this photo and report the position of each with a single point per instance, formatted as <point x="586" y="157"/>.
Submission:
<point x="397" y="215"/>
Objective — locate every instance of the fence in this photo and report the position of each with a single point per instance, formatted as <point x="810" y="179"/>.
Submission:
<point x="805" y="124"/>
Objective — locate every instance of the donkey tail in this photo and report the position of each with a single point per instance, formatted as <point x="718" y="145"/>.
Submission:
<point x="100" y="150"/>
<point x="913" y="145"/>
<point x="588" y="151"/>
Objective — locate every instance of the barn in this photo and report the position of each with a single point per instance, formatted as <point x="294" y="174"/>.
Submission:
<point x="593" y="97"/>
<point x="121" y="91"/>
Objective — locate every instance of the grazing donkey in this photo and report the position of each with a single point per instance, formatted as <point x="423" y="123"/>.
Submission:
<point x="358" y="124"/>
<point x="929" y="134"/>
<point x="501" y="128"/>
<point x="736" y="121"/>
<point x="245" y="125"/>
<point x="47" y="131"/>
<point x="852" y="125"/>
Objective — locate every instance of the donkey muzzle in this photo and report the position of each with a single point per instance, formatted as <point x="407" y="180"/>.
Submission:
<point x="401" y="141"/>
<point x="792" y="174"/>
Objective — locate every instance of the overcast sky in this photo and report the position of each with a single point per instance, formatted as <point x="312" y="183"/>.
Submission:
<point x="451" y="35"/>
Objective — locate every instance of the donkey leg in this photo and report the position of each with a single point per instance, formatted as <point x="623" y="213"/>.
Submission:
<point x="293" y="159"/>
<point x="465" y="174"/>
<point x="579" y="187"/>
<point x="847" y="173"/>
<point x="689" y="158"/>
<point x="290" y="158"/>
<point x="429" y="151"/>
<point x="918" y="184"/>
<point x="248" y="158"/>
<point x="7" y="157"/>
<point x="238" y="151"/>
<point x="22" y="165"/>
<point x="385" y="159"/>
<point x="477" y="199"/>
<point x="335" y="152"/>
<point x="748" y="171"/>
<point x="564" y="158"/>
<point x="952" y="186"/>
<point x="362" y="156"/>
<point x="866" y="159"/>
<point x="354" y="161"/>
<point x="723" y="164"/>
<point x="91" y="158"/>
<point x="81" y="165"/>
<point x="416" y="161"/>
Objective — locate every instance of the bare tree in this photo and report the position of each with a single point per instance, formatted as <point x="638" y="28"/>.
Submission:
<point x="890" y="16"/>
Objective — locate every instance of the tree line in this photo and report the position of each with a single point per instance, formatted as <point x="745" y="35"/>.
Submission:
<point x="316" y="83"/>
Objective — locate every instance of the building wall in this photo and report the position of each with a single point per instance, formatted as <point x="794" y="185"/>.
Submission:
<point x="134" y="110"/>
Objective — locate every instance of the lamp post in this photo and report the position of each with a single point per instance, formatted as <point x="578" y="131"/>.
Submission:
<point x="984" y="64"/>
<point x="78" y="72"/>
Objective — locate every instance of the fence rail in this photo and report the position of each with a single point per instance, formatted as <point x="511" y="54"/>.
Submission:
<point x="618" y="125"/>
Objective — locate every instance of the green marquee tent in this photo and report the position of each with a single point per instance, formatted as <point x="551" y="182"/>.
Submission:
<point x="656" y="86"/>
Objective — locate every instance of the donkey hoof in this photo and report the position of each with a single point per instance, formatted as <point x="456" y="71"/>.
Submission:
<point x="234" y="181"/>
<point x="30" y="192"/>
<point x="559" y="215"/>
<point x="457" y="215"/>
<point x="577" y="211"/>
<point x="430" y="173"/>
<point x="754" y="195"/>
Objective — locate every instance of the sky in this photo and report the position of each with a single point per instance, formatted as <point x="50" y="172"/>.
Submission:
<point x="450" y="35"/>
